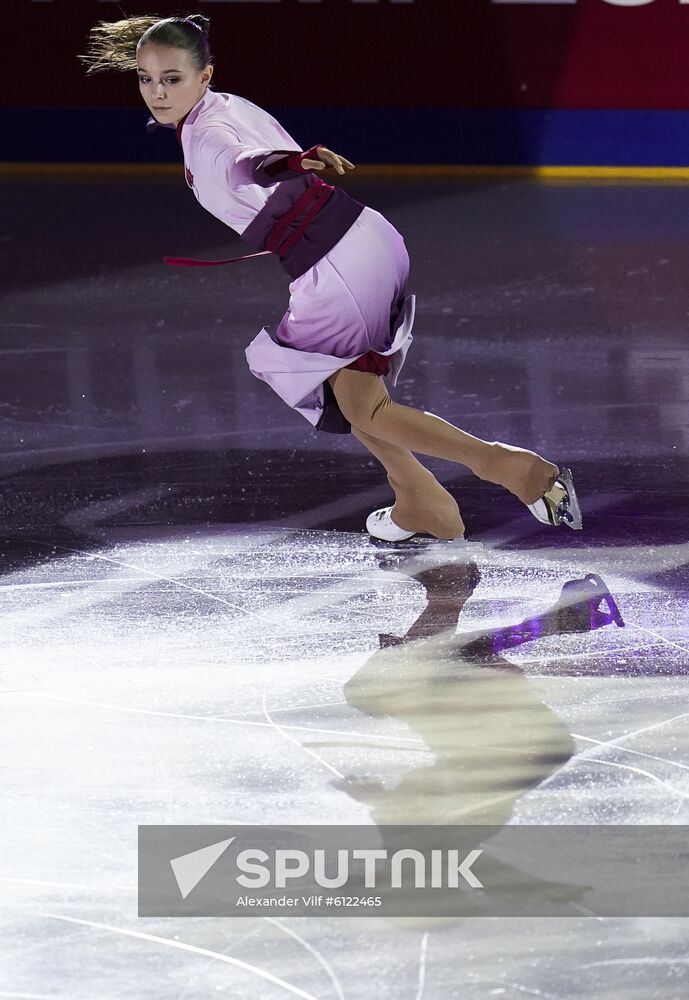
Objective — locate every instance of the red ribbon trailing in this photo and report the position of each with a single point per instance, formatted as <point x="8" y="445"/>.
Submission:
<point x="189" y="262"/>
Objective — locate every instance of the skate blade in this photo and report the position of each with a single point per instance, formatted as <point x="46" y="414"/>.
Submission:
<point x="560" y="504"/>
<point x="571" y="513"/>
<point x="614" y="613"/>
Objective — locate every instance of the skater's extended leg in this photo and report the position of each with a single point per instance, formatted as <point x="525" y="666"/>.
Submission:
<point x="364" y="401"/>
<point x="421" y="503"/>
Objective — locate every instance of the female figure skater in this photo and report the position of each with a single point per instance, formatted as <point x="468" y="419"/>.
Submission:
<point x="349" y="319"/>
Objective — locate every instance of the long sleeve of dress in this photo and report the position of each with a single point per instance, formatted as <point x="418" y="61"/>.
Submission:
<point x="242" y="164"/>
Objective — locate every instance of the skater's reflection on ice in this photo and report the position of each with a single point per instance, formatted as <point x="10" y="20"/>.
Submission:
<point x="492" y="735"/>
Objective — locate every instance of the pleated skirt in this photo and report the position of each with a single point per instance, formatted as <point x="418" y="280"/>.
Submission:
<point x="352" y="301"/>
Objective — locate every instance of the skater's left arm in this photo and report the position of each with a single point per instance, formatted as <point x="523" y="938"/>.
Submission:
<point x="223" y="151"/>
<point x="278" y="166"/>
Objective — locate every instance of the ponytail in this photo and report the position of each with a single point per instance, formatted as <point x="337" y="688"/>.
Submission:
<point x="113" y="45"/>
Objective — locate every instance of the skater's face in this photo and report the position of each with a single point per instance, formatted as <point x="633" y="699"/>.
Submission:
<point x="169" y="82"/>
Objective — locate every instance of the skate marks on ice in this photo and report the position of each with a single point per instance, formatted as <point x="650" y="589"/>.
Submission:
<point x="470" y="689"/>
<point x="327" y="608"/>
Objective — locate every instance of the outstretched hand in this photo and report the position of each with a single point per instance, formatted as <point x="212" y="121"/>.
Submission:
<point x="327" y="159"/>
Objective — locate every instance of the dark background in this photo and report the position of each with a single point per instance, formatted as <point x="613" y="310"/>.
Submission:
<point x="398" y="81"/>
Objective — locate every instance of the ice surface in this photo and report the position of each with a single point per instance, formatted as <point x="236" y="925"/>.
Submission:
<point x="195" y="628"/>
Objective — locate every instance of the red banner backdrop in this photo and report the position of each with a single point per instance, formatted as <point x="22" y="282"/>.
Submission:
<point x="380" y="53"/>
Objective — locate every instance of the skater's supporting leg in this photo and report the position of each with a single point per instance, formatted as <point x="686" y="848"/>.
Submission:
<point x="421" y="503"/>
<point x="364" y="401"/>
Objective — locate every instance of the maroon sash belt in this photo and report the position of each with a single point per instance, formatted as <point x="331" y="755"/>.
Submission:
<point x="310" y="203"/>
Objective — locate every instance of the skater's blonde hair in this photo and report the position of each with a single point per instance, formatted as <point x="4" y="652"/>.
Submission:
<point x="113" y="45"/>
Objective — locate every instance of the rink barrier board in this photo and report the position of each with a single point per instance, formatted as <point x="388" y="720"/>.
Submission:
<point x="558" y="173"/>
<point x="376" y="137"/>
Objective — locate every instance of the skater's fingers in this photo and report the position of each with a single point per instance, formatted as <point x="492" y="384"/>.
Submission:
<point x="334" y="160"/>
<point x="327" y="159"/>
<point x="345" y="163"/>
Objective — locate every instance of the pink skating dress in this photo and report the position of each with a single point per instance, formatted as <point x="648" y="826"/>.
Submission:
<point x="348" y="304"/>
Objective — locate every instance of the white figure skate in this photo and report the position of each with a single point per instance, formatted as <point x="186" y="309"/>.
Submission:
<point x="381" y="525"/>
<point x="560" y="504"/>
